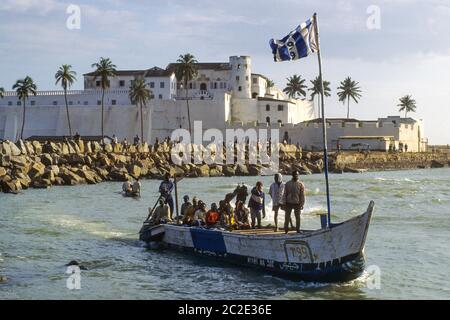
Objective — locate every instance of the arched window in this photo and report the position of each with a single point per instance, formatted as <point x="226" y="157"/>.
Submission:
<point x="255" y="95"/>
<point x="268" y="120"/>
<point x="203" y="87"/>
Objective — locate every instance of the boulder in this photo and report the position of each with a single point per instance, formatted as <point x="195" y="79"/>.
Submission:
<point x="202" y="171"/>
<point x="37" y="147"/>
<point x="20" y="162"/>
<point x="23" y="178"/>
<point x="134" y="171"/>
<point x="3" y="172"/>
<point x="48" y="175"/>
<point x="70" y="178"/>
<point x="54" y="169"/>
<point x="80" y="144"/>
<point x="36" y="170"/>
<point x="21" y="146"/>
<point x="46" y="159"/>
<point x="90" y="176"/>
<point x="108" y="148"/>
<point x="242" y="170"/>
<point x="436" y="164"/>
<point x="88" y="147"/>
<point x="75" y="159"/>
<point x="229" y="170"/>
<point x="49" y="147"/>
<point x="254" y="170"/>
<point x="10" y="186"/>
<point x="41" y="183"/>
<point x="96" y="147"/>
<point x="102" y="173"/>
<point x="117" y="174"/>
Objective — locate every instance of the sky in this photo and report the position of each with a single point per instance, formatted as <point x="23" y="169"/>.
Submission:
<point x="391" y="47"/>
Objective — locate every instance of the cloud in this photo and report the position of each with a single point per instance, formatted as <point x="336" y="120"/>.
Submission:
<point x="39" y="7"/>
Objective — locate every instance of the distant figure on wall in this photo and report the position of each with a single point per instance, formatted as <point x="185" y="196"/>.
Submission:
<point x="136" y="140"/>
<point x="406" y="148"/>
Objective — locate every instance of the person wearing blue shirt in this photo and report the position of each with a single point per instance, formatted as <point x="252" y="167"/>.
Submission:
<point x="257" y="205"/>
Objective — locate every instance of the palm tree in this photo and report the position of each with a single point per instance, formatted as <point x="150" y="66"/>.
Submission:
<point x="66" y="77"/>
<point x="139" y="94"/>
<point x="24" y="87"/>
<point x="349" y="89"/>
<point x="295" y="87"/>
<point x="316" y="89"/>
<point x="103" y="70"/>
<point x="2" y="92"/>
<point x="270" y="84"/>
<point x="185" y="72"/>
<point x="407" y="104"/>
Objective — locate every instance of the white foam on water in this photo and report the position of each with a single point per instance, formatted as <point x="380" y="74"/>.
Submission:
<point x="94" y="228"/>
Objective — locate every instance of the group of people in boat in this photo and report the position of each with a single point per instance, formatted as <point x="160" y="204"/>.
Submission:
<point x="289" y="197"/>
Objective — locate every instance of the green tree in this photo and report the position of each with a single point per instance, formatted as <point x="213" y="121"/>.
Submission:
<point x="407" y="104"/>
<point x="24" y="87"/>
<point x="349" y="89"/>
<point x="139" y="95"/>
<point x="316" y="89"/>
<point x="270" y="84"/>
<point x="186" y="71"/>
<point x="66" y="77"/>
<point x="295" y="87"/>
<point x="104" y="69"/>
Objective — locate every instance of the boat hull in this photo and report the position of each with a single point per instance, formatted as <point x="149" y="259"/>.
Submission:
<point x="331" y="254"/>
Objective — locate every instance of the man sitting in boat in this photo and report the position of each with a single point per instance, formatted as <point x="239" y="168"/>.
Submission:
<point x="228" y="211"/>
<point x="242" y="216"/>
<point x="293" y="199"/>
<point x="185" y="206"/>
<point x="276" y="192"/>
<point x="161" y="214"/>
<point x="199" y="215"/>
<point x="136" y="189"/>
<point x="212" y="216"/>
<point x="257" y="205"/>
<point x="188" y="217"/>
<point x="126" y="186"/>
<point x="165" y="189"/>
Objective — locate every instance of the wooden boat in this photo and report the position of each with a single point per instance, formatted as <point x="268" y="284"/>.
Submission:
<point x="329" y="254"/>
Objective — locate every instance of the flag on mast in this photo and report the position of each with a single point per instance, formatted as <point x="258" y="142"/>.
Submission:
<point x="299" y="43"/>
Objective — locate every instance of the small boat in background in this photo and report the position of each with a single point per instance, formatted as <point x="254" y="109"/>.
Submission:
<point x="333" y="253"/>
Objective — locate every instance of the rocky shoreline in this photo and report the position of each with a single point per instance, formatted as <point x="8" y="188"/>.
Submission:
<point x="31" y="164"/>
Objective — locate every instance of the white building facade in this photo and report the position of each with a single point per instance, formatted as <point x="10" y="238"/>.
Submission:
<point x="223" y="95"/>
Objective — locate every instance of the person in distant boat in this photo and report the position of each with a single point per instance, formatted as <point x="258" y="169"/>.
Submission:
<point x="161" y="214"/>
<point x="212" y="216"/>
<point x="293" y="199"/>
<point x="126" y="186"/>
<point x="165" y="189"/>
<point x="242" y="216"/>
<point x="257" y="205"/>
<point x="200" y="214"/>
<point x="188" y="217"/>
<point x="185" y="206"/>
<point x="136" y="189"/>
<point x="276" y="192"/>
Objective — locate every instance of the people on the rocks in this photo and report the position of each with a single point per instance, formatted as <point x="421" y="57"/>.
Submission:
<point x="136" y="140"/>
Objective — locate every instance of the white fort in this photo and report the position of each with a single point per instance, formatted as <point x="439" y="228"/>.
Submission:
<point x="224" y="95"/>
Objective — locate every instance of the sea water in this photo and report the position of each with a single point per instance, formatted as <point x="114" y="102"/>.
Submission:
<point x="407" y="248"/>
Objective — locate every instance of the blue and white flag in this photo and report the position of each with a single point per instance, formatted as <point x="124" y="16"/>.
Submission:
<point x="299" y="43"/>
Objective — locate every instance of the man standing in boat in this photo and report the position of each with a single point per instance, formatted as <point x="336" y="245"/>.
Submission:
<point x="293" y="199"/>
<point x="257" y="205"/>
<point x="276" y="192"/>
<point x="165" y="189"/>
